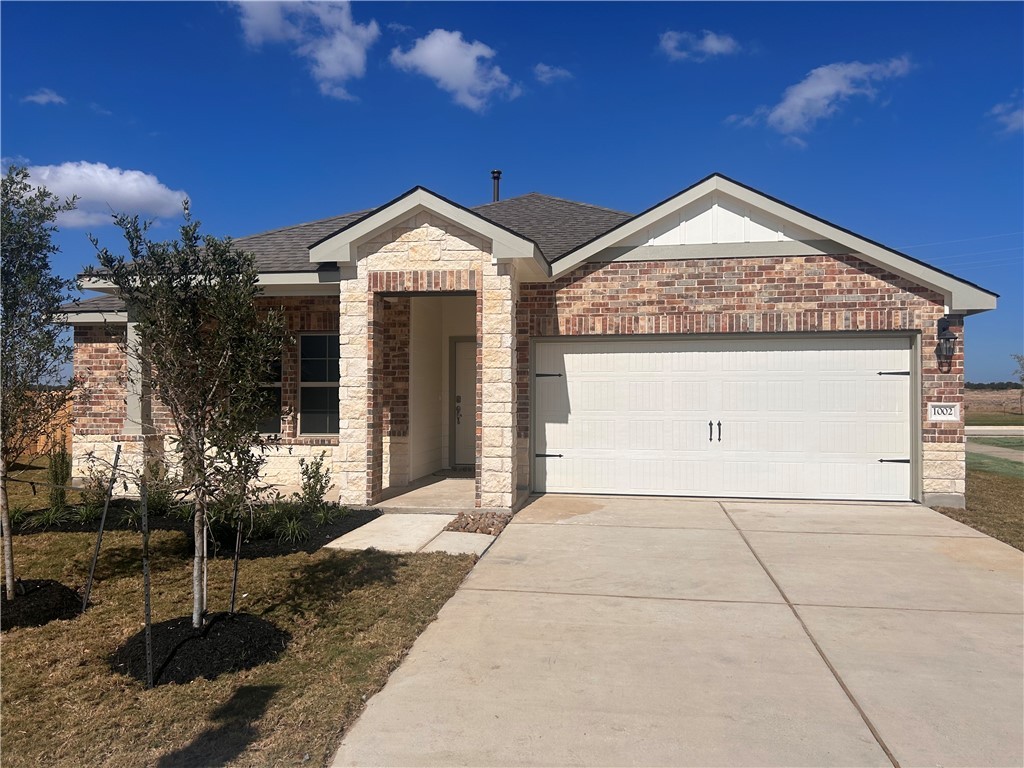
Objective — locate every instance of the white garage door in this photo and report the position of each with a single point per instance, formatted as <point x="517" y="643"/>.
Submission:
<point x="815" y="418"/>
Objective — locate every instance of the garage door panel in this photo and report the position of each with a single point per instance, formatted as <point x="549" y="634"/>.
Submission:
<point x="800" y="417"/>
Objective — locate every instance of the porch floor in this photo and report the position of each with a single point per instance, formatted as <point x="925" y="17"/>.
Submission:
<point x="434" y="494"/>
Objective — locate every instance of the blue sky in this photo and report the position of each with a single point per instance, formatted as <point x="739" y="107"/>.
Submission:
<point x="902" y="122"/>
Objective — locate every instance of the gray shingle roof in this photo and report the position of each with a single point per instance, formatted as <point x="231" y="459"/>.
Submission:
<point x="556" y="225"/>
<point x="286" y="249"/>
<point x="96" y="304"/>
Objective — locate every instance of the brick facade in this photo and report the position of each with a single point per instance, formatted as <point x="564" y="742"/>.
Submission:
<point x="425" y="256"/>
<point x="750" y="295"/>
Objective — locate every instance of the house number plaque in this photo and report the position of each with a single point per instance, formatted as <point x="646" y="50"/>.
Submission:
<point x="943" y="411"/>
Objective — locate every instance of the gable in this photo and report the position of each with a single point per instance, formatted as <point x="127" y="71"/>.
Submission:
<point x="720" y="218"/>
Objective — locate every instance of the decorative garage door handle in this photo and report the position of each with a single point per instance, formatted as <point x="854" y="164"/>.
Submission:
<point x="711" y="431"/>
<point x="548" y="455"/>
<point x="719" y="431"/>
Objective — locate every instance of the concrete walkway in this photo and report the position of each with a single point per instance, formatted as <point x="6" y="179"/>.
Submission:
<point x="413" y="533"/>
<point x="687" y="632"/>
<point x="1010" y="454"/>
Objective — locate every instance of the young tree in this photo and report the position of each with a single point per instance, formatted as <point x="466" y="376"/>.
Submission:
<point x="34" y="354"/>
<point x="207" y="348"/>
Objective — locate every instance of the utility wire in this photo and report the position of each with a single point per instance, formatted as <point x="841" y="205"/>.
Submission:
<point x="964" y="240"/>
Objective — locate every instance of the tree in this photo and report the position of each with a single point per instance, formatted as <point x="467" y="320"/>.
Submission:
<point x="206" y="348"/>
<point x="34" y="388"/>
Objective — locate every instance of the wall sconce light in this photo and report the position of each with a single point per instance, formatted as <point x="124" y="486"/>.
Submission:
<point x="946" y="347"/>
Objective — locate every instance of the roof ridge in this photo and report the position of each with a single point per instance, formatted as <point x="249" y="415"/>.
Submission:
<point x="555" y="197"/>
<point x="304" y="224"/>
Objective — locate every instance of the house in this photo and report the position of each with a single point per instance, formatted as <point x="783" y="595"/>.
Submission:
<point x="721" y="343"/>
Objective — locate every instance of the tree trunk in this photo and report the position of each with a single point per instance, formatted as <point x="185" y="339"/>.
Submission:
<point x="198" y="562"/>
<point x="5" y="522"/>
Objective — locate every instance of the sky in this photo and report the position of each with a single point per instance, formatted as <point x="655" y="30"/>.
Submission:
<point x="902" y="122"/>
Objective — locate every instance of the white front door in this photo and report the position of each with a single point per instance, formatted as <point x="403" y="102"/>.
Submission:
<point x="464" y="406"/>
<point x="804" y="417"/>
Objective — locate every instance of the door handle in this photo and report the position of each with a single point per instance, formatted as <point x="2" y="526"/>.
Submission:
<point x="719" y="431"/>
<point x="711" y="431"/>
<point x="458" y="414"/>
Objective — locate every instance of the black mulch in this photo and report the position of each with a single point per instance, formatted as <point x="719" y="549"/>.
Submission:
<point x="38" y="602"/>
<point x="318" y="536"/>
<point x="228" y="643"/>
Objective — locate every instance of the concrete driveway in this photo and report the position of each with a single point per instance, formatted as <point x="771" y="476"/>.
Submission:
<point x="641" y="631"/>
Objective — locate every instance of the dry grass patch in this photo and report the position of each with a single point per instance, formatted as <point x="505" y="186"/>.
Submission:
<point x="995" y="505"/>
<point x="351" y="615"/>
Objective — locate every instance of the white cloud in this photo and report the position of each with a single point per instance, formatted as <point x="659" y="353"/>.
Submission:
<point x="103" y="190"/>
<point x="548" y="74"/>
<point x="45" y="96"/>
<point x="463" y="69"/>
<point x="820" y="94"/>
<point x="680" y="46"/>
<point x="1009" y="114"/>
<point x="321" y="32"/>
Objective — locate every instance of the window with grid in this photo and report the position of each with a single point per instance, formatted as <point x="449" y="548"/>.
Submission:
<point x="271" y="422"/>
<point x="318" y="384"/>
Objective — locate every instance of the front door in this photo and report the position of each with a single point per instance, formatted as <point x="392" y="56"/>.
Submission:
<point x="463" y="427"/>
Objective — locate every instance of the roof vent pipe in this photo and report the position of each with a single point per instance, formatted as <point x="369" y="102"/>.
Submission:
<point x="496" y="177"/>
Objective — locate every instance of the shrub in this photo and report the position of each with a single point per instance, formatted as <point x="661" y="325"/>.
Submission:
<point x="50" y="517"/>
<point x="58" y="474"/>
<point x="316" y="482"/>
<point x="161" y="488"/>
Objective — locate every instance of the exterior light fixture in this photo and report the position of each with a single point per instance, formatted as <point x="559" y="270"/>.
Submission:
<point x="946" y="347"/>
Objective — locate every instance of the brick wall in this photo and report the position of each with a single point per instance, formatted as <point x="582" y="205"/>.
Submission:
<point x="784" y="294"/>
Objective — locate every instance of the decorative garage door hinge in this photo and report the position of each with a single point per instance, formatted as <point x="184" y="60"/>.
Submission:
<point x="894" y="373"/>
<point x="548" y="375"/>
<point x="894" y="461"/>
<point x="548" y="455"/>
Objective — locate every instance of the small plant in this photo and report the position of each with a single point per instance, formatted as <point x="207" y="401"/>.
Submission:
<point x="160" y="489"/>
<point x="58" y="474"/>
<point x="316" y="482"/>
<point x="19" y="515"/>
<point x="85" y="514"/>
<point x="47" y="518"/>
<point x="131" y="516"/>
<point x="328" y="514"/>
<point x="291" y="530"/>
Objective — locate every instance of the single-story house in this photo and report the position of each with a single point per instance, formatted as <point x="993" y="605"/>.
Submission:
<point x="721" y="343"/>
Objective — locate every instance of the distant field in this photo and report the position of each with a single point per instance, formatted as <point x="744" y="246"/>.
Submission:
<point x="1013" y="442"/>
<point x="993" y="408"/>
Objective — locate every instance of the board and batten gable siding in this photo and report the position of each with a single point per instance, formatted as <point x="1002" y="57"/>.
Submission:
<point x="804" y="294"/>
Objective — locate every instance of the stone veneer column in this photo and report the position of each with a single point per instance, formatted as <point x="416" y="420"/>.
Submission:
<point x="497" y="443"/>
<point x="351" y="456"/>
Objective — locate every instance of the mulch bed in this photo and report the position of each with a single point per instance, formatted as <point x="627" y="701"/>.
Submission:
<point x="181" y="654"/>
<point x="319" y="536"/>
<point x="38" y="602"/>
<point x="491" y="523"/>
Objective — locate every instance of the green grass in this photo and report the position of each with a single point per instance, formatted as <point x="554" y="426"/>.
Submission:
<point x="994" y="465"/>
<point x="1013" y="442"/>
<point x="352" y="617"/>
<point x="989" y="419"/>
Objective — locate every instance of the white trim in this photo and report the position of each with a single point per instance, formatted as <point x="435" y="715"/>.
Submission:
<point x="505" y="246"/>
<point x="961" y="297"/>
<point x="96" y="318"/>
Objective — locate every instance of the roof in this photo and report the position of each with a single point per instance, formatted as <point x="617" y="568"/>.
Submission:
<point x="287" y="249"/>
<point x="97" y="304"/>
<point x="556" y="225"/>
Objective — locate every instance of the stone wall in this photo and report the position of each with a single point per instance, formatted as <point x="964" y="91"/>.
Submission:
<point x="749" y="295"/>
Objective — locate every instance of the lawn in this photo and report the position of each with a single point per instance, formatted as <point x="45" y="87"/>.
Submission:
<point x="995" y="499"/>
<point x="351" y="615"/>
<point x="1013" y="442"/>
<point x="992" y="419"/>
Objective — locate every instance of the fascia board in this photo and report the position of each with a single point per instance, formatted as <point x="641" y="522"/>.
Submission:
<point x="961" y="297"/>
<point x="343" y="247"/>
<point x="95" y="318"/>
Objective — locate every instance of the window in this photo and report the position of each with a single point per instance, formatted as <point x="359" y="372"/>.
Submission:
<point x="318" y="384"/>
<point x="271" y="422"/>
